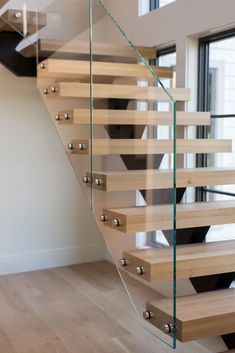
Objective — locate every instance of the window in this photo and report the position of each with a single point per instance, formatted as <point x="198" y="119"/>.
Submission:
<point x="217" y="95"/>
<point x="167" y="58"/>
<point x="146" y="6"/>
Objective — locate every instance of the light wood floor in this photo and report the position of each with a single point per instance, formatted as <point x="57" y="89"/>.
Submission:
<point x="77" y="309"/>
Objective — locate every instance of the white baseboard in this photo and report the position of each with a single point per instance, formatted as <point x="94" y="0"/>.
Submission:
<point x="38" y="260"/>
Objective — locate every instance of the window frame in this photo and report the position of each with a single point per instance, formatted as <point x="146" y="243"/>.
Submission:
<point x="155" y="4"/>
<point x="160" y="52"/>
<point x="203" y="97"/>
<point x="165" y="51"/>
<point x="151" y="236"/>
<point x="203" y="69"/>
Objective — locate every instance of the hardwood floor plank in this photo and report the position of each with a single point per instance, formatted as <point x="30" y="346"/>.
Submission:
<point x="6" y="345"/>
<point x="62" y="299"/>
<point x="76" y="309"/>
<point x="16" y="319"/>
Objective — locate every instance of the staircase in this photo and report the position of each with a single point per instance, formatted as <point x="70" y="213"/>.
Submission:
<point x="205" y="315"/>
<point x="16" y="24"/>
<point x="111" y="184"/>
<point x="13" y="20"/>
<point x="114" y="129"/>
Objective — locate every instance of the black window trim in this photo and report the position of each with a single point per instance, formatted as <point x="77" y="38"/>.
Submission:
<point x="167" y="50"/>
<point x="203" y="72"/>
<point x="153" y="4"/>
<point x="160" y="52"/>
<point x="203" y="100"/>
<point x="151" y="237"/>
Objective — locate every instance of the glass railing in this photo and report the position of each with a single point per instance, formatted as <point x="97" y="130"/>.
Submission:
<point x="118" y="124"/>
<point x="21" y="23"/>
<point x="65" y="41"/>
<point x="116" y="116"/>
<point x="23" y="17"/>
<point x="132" y="145"/>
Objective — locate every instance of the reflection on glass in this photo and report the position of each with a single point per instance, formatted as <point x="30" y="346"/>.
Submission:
<point x="115" y="98"/>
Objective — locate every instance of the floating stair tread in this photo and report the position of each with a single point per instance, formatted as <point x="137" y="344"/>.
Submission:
<point x="75" y="47"/>
<point x="3" y="2"/>
<point x="150" y="146"/>
<point x="35" y="21"/>
<point x="198" y="316"/>
<point x="57" y="68"/>
<point x="160" y="217"/>
<point x="193" y="260"/>
<point x="119" y="91"/>
<point x="134" y="117"/>
<point x="162" y="179"/>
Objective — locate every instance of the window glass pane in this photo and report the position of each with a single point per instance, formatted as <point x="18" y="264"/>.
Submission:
<point x="222" y="128"/>
<point x="147" y="5"/>
<point x="144" y="7"/>
<point x="222" y="77"/>
<point x="164" y="132"/>
<point x="168" y="60"/>
<point x="221" y="101"/>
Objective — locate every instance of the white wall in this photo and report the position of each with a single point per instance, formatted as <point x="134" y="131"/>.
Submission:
<point x="44" y="218"/>
<point x="178" y="22"/>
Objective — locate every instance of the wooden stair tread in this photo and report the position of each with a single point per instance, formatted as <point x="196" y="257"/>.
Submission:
<point x="35" y="21"/>
<point x="119" y="91"/>
<point x="198" y="316"/>
<point x="134" y="117"/>
<point x="160" y="217"/>
<point x="150" y="146"/>
<point x="47" y="46"/>
<point x="193" y="260"/>
<point x="57" y="68"/>
<point x="3" y="2"/>
<point x="162" y="179"/>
